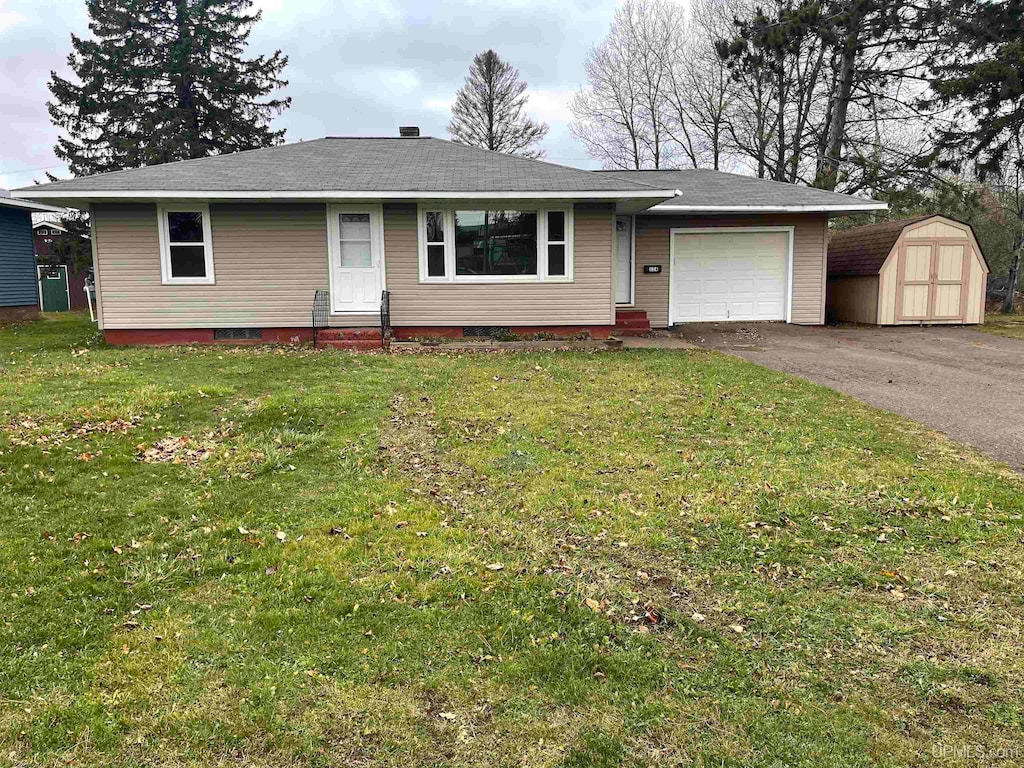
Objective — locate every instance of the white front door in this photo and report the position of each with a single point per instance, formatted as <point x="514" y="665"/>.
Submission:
<point x="623" y="260"/>
<point x="730" y="275"/>
<point x="357" y="257"/>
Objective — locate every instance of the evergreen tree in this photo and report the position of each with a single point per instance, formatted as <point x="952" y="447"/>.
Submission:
<point x="488" y="109"/>
<point x="73" y="246"/>
<point x="979" y="74"/>
<point x="164" y="80"/>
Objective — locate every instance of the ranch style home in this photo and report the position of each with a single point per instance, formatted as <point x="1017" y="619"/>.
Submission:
<point x="460" y="240"/>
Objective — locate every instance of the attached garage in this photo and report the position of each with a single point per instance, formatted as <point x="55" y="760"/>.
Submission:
<point x="925" y="270"/>
<point x="726" y="273"/>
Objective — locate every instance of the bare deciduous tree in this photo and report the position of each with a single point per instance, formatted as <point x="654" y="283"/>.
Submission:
<point x="622" y="116"/>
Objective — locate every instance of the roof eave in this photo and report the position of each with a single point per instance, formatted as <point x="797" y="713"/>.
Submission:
<point x="28" y="205"/>
<point x="158" y="194"/>
<point x="668" y="208"/>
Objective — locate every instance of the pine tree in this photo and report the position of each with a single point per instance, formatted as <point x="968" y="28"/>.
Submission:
<point x="979" y="73"/>
<point x="164" y="80"/>
<point x="488" y="109"/>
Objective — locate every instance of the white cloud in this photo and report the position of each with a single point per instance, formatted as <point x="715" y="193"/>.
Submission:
<point x="549" y="106"/>
<point x="439" y="105"/>
<point x="8" y="18"/>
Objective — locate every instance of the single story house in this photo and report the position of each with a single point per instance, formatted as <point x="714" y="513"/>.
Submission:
<point x="463" y="240"/>
<point x="19" y="286"/>
<point x="923" y="270"/>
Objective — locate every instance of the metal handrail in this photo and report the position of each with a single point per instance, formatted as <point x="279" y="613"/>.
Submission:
<point x="385" y="319"/>
<point x="321" y="310"/>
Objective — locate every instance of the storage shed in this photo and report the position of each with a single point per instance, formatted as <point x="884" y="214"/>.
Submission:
<point x="918" y="271"/>
<point x="19" y="286"/>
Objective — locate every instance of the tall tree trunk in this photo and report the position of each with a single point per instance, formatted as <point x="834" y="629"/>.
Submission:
<point x="828" y="174"/>
<point x="1011" y="278"/>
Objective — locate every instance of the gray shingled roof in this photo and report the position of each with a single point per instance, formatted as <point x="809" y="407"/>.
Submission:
<point x="703" y="188"/>
<point x="353" y="164"/>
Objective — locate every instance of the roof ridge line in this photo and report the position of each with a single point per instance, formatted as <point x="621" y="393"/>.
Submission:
<point x="641" y="185"/>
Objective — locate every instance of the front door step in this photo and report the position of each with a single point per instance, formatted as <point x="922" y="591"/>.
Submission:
<point x="349" y="338"/>
<point x="631" y="322"/>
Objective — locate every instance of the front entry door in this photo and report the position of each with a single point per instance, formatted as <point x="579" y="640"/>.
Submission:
<point x="623" y="260"/>
<point x="357" y="258"/>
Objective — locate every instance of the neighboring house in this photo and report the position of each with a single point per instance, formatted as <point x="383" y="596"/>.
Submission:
<point x="463" y="239"/>
<point x="924" y="270"/>
<point x="44" y="232"/>
<point x="19" y="286"/>
<point x="46" y="228"/>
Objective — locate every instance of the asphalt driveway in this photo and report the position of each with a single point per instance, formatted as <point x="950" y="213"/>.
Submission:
<point x="960" y="381"/>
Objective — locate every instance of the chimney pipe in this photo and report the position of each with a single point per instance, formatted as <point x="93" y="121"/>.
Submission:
<point x="409" y="131"/>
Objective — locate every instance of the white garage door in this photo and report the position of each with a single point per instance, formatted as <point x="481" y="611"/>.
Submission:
<point x="729" y="275"/>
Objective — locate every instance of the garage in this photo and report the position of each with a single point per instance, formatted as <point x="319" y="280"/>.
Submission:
<point x="921" y="271"/>
<point x="730" y="274"/>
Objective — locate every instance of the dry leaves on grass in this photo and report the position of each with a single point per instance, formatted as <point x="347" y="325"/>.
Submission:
<point x="175" y="450"/>
<point x="32" y="431"/>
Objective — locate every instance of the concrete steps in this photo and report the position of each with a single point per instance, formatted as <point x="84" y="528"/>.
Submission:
<point x="349" y="338"/>
<point x="631" y="322"/>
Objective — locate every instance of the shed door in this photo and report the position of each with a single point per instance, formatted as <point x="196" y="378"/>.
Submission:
<point x="933" y="281"/>
<point x="53" y="288"/>
<point x="950" y="281"/>
<point x="916" y="282"/>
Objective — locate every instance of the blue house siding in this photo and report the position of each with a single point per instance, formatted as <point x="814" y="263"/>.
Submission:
<point x="18" y="281"/>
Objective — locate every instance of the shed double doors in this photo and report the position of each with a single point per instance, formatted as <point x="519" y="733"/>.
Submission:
<point x="932" y="282"/>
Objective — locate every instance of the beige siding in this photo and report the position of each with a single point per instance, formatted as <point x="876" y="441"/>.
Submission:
<point x="269" y="260"/>
<point x="976" y="294"/>
<point x="933" y="229"/>
<point x="651" y="291"/>
<point x="809" y="249"/>
<point x="585" y="301"/>
<point x="887" y="288"/>
<point x="853" y="299"/>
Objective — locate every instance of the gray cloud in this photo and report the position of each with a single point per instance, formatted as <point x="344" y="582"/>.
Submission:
<point x="361" y="67"/>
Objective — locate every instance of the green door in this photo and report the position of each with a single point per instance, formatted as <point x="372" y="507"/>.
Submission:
<point x="53" y="288"/>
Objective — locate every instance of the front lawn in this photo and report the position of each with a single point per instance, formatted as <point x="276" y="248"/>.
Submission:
<point x="264" y="557"/>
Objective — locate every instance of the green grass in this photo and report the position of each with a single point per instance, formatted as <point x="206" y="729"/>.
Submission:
<point x="1004" y="325"/>
<point x="702" y="562"/>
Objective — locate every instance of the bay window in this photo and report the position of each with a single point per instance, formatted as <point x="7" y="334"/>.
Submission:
<point x="495" y="245"/>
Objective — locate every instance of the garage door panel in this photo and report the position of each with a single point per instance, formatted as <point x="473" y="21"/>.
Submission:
<point x="729" y="275"/>
<point x="712" y="309"/>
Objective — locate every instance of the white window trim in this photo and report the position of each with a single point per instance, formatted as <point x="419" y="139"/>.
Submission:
<point x="449" y="246"/>
<point x="376" y="211"/>
<point x="165" y="244"/>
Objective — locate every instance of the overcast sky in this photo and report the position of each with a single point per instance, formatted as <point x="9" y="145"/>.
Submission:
<point x="357" y="67"/>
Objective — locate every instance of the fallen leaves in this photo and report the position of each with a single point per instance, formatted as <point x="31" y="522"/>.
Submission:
<point x="38" y="431"/>
<point x="496" y="567"/>
<point x="174" y="450"/>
